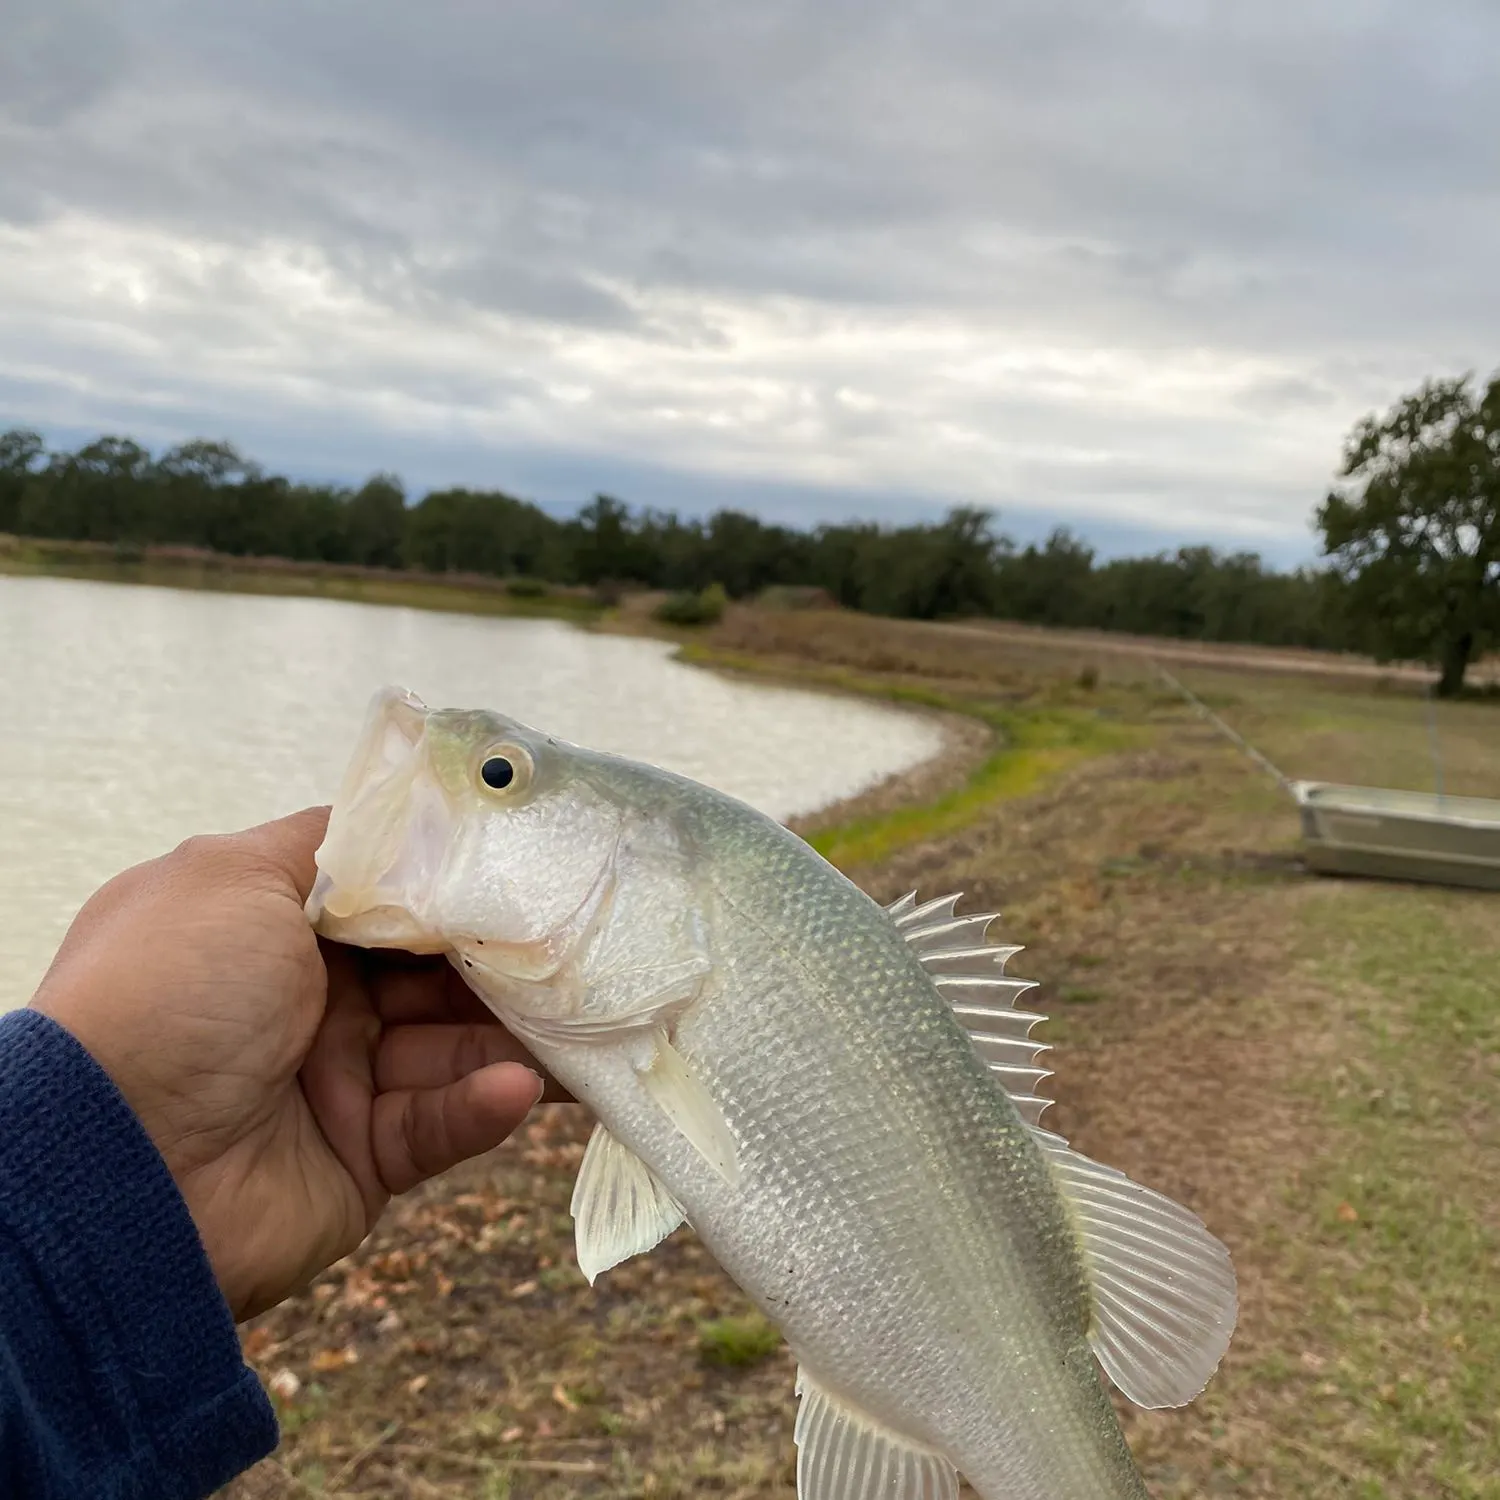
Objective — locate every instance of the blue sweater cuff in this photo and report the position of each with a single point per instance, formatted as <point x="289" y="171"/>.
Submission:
<point x="121" y="1375"/>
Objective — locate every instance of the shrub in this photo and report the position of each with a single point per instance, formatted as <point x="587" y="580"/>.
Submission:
<point x="525" y="588"/>
<point x="706" y="608"/>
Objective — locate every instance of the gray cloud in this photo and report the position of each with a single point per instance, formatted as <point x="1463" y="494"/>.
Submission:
<point x="58" y="58"/>
<point x="1135" y="264"/>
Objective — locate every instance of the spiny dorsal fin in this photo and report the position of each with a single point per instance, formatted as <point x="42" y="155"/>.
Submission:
<point x="970" y="974"/>
<point x="1164" y="1293"/>
<point x="844" y="1455"/>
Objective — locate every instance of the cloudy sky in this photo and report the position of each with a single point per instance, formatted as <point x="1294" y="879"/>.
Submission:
<point x="1132" y="265"/>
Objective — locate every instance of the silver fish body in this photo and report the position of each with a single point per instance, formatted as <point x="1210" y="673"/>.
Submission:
<point x="773" y="1057"/>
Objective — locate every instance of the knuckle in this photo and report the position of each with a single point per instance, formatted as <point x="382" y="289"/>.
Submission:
<point x="199" y="849"/>
<point x="470" y="1051"/>
<point x="424" y="1137"/>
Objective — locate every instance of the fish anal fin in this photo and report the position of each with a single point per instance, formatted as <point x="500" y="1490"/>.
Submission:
<point x="619" y="1207"/>
<point x="844" y="1455"/>
<point x="1164" y="1292"/>
<point x="681" y="1096"/>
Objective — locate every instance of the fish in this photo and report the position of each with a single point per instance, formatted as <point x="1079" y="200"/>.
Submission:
<point x="840" y="1098"/>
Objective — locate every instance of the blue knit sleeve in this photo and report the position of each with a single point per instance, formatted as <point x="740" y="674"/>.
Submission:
<point x="121" y="1376"/>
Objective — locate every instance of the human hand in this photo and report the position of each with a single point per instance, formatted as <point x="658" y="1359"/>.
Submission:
<point x="291" y="1085"/>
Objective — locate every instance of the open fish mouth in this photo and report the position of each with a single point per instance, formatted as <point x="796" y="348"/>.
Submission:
<point x="387" y="834"/>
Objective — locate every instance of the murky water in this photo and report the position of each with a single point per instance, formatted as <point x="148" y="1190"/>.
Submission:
<point x="132" y="717"/>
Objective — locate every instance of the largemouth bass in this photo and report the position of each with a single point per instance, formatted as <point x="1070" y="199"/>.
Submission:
<point x="840" y="1098"/>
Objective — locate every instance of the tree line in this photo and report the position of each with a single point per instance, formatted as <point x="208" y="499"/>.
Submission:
<point x="206" y="494"/>
<point x="1411" y="533"/>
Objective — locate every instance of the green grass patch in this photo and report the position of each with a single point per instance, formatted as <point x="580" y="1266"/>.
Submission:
<point x="737" y="1341"/>
<point x="1035" y="742"/>
<point x="1394" y="1236"/>
<point x="1076" y="995"/>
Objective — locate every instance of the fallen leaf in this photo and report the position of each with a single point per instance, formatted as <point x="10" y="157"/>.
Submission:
<point x="512" y="1434"/>
<point x="395" y="1265"/>
<point x="525" y="1289"/>
<point x="563" y="1399"/>
<point x="285" y="1385"/>
<point x="444" y="1285"/>
<point x="1347" y="1213"/>
<point x="258" y="1343"/>
<point x="334" y="1359"/>
<point x="417" y="1384"/>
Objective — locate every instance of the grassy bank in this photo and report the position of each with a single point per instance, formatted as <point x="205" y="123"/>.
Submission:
<point x="1312" y="1065"/>
<point x="189" y="568"/>
<point x="1032" y="739"/>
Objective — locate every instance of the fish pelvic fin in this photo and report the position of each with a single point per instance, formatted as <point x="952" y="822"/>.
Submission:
<point x="1164" y="1296"/>
<point x="969" y="973"/>
<point x="844" y="1455"/>
<point x="619" y="1207"/>
<point x="681" y="1096"/>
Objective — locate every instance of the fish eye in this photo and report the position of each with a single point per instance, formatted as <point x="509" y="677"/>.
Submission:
<point x="505" y="768"/>
<point x="497" y="772"/>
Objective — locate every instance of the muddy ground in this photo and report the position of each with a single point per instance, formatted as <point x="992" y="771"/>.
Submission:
<point x="1311" y="1065"/>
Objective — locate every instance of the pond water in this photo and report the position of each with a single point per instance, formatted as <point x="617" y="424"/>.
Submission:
<point x="134" y="716"/>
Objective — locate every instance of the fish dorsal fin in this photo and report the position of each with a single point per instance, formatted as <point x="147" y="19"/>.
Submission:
<point x="619" y="1207"/>
<point x="1163" y="1288"/>
<point x="970" y="975"/>
<point x="843" y="1455"/>
<point x="1164" y="1294"/>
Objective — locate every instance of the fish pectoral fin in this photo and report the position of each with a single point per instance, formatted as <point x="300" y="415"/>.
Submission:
<point x="619" y="1206"/>
<point x="844" y="1455"/>
<point x="1164" y="1294"/>
<point x="680" y="1096"/>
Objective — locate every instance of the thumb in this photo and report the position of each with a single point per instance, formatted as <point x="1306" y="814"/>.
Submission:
<point x="418" y="1133"/>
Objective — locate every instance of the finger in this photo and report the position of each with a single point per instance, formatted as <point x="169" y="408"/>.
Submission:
<point x="417" y="1133"/>
<point x="408" y="988"/>
<point x="431" y="1057"/>
<point x="338" y="1076"/>
<point x="289" y="844"/>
